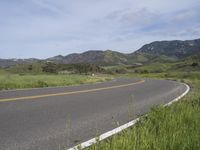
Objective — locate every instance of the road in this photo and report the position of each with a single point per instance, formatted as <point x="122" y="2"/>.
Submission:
<point x="62" y="117"/>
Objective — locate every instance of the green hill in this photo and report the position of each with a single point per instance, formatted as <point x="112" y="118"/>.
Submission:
<point x="159" y="51"/>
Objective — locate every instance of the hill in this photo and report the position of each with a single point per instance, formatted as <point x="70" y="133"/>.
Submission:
<point x="13" y="62"/>
<point x="174" y="49"/>
<point x="97" y="57"/>
<point x="159" y="51"/>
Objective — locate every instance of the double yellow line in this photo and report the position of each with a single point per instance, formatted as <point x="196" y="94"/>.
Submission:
<point x="69" y="93"/>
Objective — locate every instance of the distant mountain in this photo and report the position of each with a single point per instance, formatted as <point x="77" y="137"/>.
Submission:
<point x="12" y="62"/>
<point x="159" y="51"/>
<point x="99" y="57"/>
<point x="174" y="49"/>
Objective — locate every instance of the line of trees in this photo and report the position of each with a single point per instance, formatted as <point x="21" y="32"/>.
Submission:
<point x="54" y="68"/>
<point x="71" y="68"/>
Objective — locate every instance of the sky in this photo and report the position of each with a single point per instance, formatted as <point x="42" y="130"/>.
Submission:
<point x="46" y="28"/>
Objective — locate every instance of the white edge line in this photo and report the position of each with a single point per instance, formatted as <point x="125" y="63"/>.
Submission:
<point x="121" y="128"/>
<point x="178" y="98"/>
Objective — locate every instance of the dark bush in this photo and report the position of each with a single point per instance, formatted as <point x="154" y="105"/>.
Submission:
<point x="41" y="84"/>
<point x="194" y="64"/>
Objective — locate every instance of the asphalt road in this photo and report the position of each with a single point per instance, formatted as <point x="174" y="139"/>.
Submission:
<point x="53" y="118"/>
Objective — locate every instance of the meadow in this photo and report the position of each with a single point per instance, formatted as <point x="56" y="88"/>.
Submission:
<point x="39" y="75"/>
<point x="16" y="81"/>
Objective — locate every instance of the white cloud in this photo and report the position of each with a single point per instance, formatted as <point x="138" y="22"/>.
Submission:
<point x="61" y="27"/>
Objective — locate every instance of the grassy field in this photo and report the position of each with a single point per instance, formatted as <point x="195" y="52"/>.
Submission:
<point x="170" y="128"/>
<point x="15" y="81"/>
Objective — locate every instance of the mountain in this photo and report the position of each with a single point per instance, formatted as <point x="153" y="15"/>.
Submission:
<point x="12" y="62"/>
<point x="175" y="49"/>
<point x="159" y="51"/>
<point x="99" y="57"/>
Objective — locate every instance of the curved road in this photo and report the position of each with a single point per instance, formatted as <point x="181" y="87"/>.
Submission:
<point x="53" y="118"/>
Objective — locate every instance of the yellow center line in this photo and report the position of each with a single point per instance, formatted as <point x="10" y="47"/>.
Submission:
<point x="69" y="93"/>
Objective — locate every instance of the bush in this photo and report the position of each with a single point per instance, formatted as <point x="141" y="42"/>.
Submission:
<point x="194" y="64"/>
<point x="40" y="83"/>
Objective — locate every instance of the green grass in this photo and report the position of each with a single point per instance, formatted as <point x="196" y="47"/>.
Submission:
<point x="14" y="81"/>
<point x="170" y="128"/>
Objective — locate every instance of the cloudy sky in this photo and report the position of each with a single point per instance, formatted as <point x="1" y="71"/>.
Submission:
<point x="45" y="28"/>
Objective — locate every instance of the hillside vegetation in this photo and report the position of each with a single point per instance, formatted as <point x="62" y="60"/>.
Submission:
<point x="185" y="65"/>
<point x="53" y="68"/>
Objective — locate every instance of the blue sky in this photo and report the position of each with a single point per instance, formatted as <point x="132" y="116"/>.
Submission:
<point x="45" y="28"/>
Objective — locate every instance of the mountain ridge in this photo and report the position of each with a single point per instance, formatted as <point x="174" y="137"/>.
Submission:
<point x="154" y="51"/>
<point x="176" y="48"/>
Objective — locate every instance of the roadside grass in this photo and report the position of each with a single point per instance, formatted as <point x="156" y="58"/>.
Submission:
<point x="164" y="128"/>
<point x="15" y="81"/>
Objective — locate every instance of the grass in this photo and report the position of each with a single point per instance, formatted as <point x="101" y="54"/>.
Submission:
<point x="170" y="128"/>
<point x="14" y="81"/>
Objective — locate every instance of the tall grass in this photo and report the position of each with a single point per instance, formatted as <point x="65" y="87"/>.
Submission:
<point x="175" y="127"/>
<point x="171" y="128"/>
<point x="14" y="81"/>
